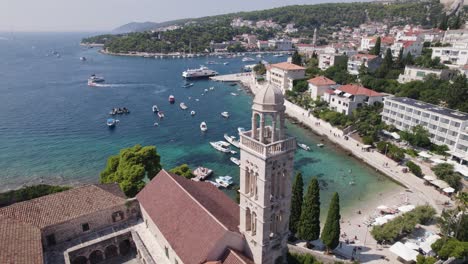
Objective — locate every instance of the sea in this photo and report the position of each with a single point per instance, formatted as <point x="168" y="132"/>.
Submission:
<point x="53" y="125"/>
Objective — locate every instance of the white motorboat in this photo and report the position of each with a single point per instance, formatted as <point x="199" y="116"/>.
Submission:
<point x="259" y="56"/>
<point x="199" y="73"/>
<point x="224" y="181"/>
<point x="240" y="129"/>
<point x="111" y="122"/>
<point x="247" y="59"/>
<point x="226" y="63"/>
<point x="222" y="146"/>
<point x="156" y="124"/>
<point x="234" y="94"/>
<point x="192" y="113"/>
<point x="303" y="146"/>
<point x="235" y="161"/>
<point x="232" y="140"/>
<point x="171" y="99"/>
<point x="160" y="114"/>
<point x="203" y="126"/>
<point x="183" y="106"/>
<point x="93" y="80"/>
<point x="206" y="90"/>
<point x="155" y="109"/>
<point x="186" y="85"/>
<point x="82" y="58"/>
<point x="320" y="145"/>
<point x="225" y="114"/>
<point x="212" y="88"/>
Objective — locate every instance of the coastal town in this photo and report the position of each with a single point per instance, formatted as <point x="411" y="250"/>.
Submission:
<point x="391" y="95"/>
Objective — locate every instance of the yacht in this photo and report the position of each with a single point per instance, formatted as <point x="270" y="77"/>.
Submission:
<point x="303" y="146"/>
<point x="224" y="181"/>
<point x="183" y="106"/>
<point x="225" y="114"/>
<point x="198" y="73"/>
<point x="222" y="146"/>
<point x="111" y="122"/>
<point x="155" y="109"/>
<point x="203" y="126"/>
<point x="171" y="99"/>
<point x="235" y="161"/>
<point x="232" y="140"/>
<point x="192" y="113"/>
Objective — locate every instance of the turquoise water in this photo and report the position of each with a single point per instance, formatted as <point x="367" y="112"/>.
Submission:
<point x="52" y="125"/>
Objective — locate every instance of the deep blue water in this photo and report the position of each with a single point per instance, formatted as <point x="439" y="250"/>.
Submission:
<point x="52" y="125"/>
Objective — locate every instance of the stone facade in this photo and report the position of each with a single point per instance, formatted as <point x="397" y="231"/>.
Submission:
<point x="267" y="159"/>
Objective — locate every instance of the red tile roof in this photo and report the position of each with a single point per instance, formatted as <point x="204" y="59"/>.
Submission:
<point x="358" y="90"/>
<point x="235" y="257"/>
<point x="321" y="80"/>
<point x="287" y="66"/>
<point x="193" y="216"/>
<point x="360" y="56"/>
<point x="61" y="207"/>
<point x="20" y="243"/>
<point x="408" y="43"/>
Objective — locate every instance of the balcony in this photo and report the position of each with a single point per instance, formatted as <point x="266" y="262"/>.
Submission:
<point x="267" y="149"/>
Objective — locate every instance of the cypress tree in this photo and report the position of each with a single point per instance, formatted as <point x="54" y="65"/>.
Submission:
<point x="296" y="202"/>
<point x="376" y="49"/>
<point x="331" y="230"/>
<point x="309" y="224"/>
<point x="409" y="59"/>
<point x="388" y="60"/>
<point x="399" y="61"/>
<point x="296" y="59"/>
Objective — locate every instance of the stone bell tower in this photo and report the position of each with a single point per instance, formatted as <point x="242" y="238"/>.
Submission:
<point x="267" y="158"/>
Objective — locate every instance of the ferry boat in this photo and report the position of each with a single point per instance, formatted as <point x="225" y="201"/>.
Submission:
<point x="171" y="99"/>
<point x="203" y="126"/>
<point x="222" y="146"/>
<point x="155" y="109"/>
<point x="183" y="106"/>
<point x="232" y="140"/>
<point x="198" y="73"/>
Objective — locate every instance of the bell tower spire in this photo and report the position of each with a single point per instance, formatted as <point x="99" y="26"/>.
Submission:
<point x="267" y="159"/>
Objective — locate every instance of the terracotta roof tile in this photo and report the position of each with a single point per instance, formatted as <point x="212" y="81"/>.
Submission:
<point x="287" y="66"/>
<point x="358" y="90"/>
<point x="192" y="216"/>
<point x="235" y="257"/>
<point x="20" y="243"/>
<point x="360" y="56"/>
<point x="60" y="207"/>
<point x="321" y="80"/>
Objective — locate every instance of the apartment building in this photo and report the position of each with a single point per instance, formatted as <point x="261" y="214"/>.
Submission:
<point x="413" y="73"/>
<point x="413" y="47"/>
<point x="280" y="44"/>
<point x="372" y="62"/>
<point x="346" y="98"/>
<point x="326" y="60"/>
<point x="446" y="126"/>
<point x="453" y="55"/>
<point x="318" y="86"/>
<point x="283" y="74"/>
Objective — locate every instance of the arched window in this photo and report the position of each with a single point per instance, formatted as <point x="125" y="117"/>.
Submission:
<point x="254" y="223"/>
<point x="248" y="220"/>
<point x="247" y="181"/>
<point x="253" y="183"/>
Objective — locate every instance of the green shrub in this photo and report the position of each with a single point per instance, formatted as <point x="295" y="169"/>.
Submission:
<point x="414" y="168"/>
<point x="28" y="193"/>
<point x="450" y="247"/>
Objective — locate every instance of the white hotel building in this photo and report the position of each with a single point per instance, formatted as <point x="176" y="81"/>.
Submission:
<point x="446" y="126"/>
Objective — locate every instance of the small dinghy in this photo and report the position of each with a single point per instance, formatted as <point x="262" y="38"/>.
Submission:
<point x="192" y="113"/>
<point x="160" y="114"/>
<point x="235" y="161"/>
<point x="203" y="126"/>
<point x="155" y="109"/>
<point x="225" y="114"/>
<point x="183" y="106"/>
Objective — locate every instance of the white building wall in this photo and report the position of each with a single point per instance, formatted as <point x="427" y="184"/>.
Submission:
<point x="457" y="56"/>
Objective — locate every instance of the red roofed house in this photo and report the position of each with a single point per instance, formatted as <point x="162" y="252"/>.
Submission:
<point x="283" y="74"/>
<point x="194" y="222"/>
<point x="415" y="47"/>
<point x="372" y="62"/>
<point x="346" y="98"/>
<point x="318" y="86"/>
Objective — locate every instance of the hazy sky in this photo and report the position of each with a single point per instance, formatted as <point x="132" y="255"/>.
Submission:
<point x="103" y="15"/>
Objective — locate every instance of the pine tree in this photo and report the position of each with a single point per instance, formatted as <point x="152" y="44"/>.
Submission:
<point x="443" y="22"/>
<point x="376" y="49"/>
<point x="296" y="203"/>
<point x="309" y="224"/>
<point x="331" y="230"/>
<point x="296" y="58"/>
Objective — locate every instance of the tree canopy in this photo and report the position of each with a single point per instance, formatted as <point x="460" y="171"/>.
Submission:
<point x="130" y="167"/>
<point x="331" y="230"/>
<point x="296" y="203"/>
<point x="183" y="170"/>
<point x="309" y="224"/>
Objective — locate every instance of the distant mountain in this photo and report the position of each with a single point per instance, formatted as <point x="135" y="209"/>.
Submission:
<point x="146" y="26"/>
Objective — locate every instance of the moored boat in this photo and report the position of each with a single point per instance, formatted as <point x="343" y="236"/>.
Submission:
<point x="161" y="114"/>
<point x="171" y="99"/>
<point x="183" y="106"/>
<point x="155" y="109"/>
<point x="234" y="94"/>
<point x="247" y="59"/>
<point x="203" y="126"/>
<point x="320" y="145"/>
<point x="222" y="146"/>
<point x="192" y="113"/>
<point x="235" y="161"/>
<point x="225" y="114"/>
<point x="232" y="140"/>
<point x="224" y="181"/>
<point x="201" y="173"/>
<point x="303" y="146"/>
